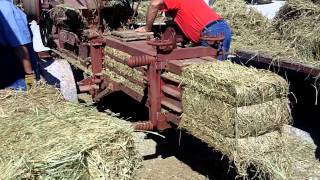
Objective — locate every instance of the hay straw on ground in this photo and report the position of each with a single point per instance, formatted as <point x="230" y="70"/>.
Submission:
<point x="45" y="137"/>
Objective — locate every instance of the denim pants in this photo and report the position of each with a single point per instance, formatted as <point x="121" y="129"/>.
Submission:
<point x="217" y="29"/>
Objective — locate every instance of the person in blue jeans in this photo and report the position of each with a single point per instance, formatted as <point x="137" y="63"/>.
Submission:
<point x="215" y="29"/>
<point x="17" y="58"/>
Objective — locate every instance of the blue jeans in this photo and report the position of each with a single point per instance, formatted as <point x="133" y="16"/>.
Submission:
<point x="217" y="29"/>
<point x="19" y="84"/>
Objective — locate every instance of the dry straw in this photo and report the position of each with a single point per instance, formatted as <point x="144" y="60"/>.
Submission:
<point x="242" y="112"/>
<point x="293" y="39"/>
<point x="298" y="24"/>
<point x="275" y="155"/>
<point x="44" y="137"/>
<point x="120" y="71"/>
<point x="234" y="100"/>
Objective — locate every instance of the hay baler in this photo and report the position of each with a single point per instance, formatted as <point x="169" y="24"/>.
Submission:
<point x="155" y="58"/>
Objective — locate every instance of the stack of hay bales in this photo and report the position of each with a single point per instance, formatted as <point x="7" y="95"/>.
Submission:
<point x="298" y="24"/>
<point x="233" y="100"/>
<point x="123" y="70"/>
<point x="241" y="112"/>
<point x="44" y="137"/>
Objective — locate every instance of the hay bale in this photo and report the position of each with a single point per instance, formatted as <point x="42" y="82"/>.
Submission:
<point x="232" y="121"/>
<point x="292" y="35"/>
<point x="235" y="84"/>
<point x="124" y="81"/>
<point x="116" y="53"/>
<point x="44" y="137"/>
<point x="123" y="69"/>
<point x="297" y="22"/>
<point x="233" y="100"/>
<point x="275" y="155"/>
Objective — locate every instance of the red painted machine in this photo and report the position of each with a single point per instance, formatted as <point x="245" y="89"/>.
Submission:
<point x="153" y="57"/>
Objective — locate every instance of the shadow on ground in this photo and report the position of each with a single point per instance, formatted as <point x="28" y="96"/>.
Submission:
<point x="186" y="148"/>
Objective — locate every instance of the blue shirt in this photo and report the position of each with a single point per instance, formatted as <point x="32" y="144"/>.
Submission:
<point x="14" y="29"/>
<point x="14" y="32"/>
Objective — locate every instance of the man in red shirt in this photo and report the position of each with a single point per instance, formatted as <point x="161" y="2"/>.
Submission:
<point x="194" y="17"/>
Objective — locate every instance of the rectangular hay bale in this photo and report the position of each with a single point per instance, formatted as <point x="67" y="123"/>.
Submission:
<point x="274" y="155"/>
<point x="233" y="121"/>
<point x="235" y="84"/>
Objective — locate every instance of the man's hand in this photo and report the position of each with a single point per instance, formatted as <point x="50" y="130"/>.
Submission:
<point x="142" y="29"/>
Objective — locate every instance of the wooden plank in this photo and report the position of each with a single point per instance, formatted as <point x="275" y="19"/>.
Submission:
<point x="131" y="34"/>
<point x="172" y="104"/>
<point x="172" y="91"/>
<point x="130" y="39"/>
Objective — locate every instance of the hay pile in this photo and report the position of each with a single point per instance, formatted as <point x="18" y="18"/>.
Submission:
<point x="45" y="137"/>
<point x="298" y="24"/>
<point x="281" y="38"/>
<point x="251" y="30"/>
<point x="124" y="71"/>
<point x="233" y="100"/>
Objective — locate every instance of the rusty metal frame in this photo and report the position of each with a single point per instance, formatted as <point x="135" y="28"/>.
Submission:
<point x="152" y="59"/>
<point x="247" y="56"/>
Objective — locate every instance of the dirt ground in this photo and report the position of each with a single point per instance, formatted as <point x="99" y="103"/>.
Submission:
<point x="156" y="166"/>
<point x="177" y="155"/>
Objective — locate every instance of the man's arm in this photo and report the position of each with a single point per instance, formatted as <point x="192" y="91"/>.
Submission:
<point x="154" y="7"/>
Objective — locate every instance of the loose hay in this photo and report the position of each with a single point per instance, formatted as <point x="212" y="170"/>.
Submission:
<point x="45" y="137"/>
<point x="293" y="39"/>
<point x="251" y="30"/>
<point x="298" y="24"/>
